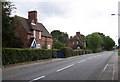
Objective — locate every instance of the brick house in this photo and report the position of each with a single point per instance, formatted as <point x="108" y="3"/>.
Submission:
<point x="76" y="42"/>
<point x="32" y="33"/>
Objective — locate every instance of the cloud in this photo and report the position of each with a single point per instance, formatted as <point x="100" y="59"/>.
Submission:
<point x="86" y="16"/>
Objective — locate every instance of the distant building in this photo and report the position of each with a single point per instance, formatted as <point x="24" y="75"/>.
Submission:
<point x="76" y="42"/>
<point x="32" y="33"/>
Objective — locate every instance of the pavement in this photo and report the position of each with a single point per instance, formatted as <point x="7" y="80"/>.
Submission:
<point x="96" y="66"/>
<point x="119" y="68"/>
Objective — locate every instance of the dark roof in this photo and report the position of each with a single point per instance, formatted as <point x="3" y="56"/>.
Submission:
<point x="29" y="27"/>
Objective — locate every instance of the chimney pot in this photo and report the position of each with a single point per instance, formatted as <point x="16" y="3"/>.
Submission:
<point x="32" y="15"/>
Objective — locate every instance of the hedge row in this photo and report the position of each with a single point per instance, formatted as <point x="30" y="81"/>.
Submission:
<point x="68" y="52"/>
<point x="12" y="56"/>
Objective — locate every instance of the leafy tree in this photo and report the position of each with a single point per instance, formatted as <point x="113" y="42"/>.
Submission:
<point x="94" y="41"/>
<point x="61" y="36"/>
<point x="57" y="44"/>
<point x="119" y="43"/>
<point x="8" y="29"/>
<point x="108" y="43"/>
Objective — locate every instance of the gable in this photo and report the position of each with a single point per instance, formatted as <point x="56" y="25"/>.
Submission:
<point x="29" y="27"/>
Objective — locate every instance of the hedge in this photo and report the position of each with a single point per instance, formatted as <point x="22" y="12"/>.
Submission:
<point x="78" y="52"/>
<point x="119" y="53"/>
<point x="97" y="50"/>
<point x="88" y="51"/>
<point x="66" y="52"/>
<point x="12" y="56"/>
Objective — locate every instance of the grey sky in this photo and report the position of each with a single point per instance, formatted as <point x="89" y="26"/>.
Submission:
<point x="70" y="16"/>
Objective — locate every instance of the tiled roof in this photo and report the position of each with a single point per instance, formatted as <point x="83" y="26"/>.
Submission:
<point x="29" y="27"/>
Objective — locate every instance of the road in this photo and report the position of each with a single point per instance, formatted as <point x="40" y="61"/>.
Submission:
<point x="96" y="66"/>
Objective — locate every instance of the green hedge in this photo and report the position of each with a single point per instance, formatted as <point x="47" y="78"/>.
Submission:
<point x="97" y="50"/>
<point x="78" y="52"/>
<point x="67" y="52"/>
<point x="119" y="53"/>
<point x="12" y="56"/>
<point x="88" y="51"/>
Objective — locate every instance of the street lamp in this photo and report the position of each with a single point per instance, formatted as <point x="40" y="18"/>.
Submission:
<point x="115" y="14"/>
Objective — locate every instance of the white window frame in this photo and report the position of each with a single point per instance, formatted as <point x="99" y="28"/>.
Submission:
<point x="76" y="42"/>
<point x="38" y="46"/>
<point x="40" y="35"/>
<point x="73" y="42"/>
<point x="34" y="33"/>
<point x="48" y="46"/>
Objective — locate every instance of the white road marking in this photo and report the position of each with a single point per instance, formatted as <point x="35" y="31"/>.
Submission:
<point x="90" y="58"/>
<point x="113" y="73"/>
<point x="98" y="55"/>
<point x="64" y="68"/>
<point x="105" y="67"/>
<point x="82" y="61"/>
<point x="95" y="56"/>
<point x="102" y="71"/>
<point x="37" y="78"/>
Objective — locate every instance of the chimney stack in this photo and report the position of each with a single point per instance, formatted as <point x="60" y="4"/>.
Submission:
<point x="32" y="16"/>
<point x="78" y="34"/>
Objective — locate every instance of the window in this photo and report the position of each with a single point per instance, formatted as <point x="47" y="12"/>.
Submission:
<point x="38" y="46"/>
<point x="34" y="33"/>
<point x="48" y="46"/>
<point x="76" y="42"/>
<point x="40" y="35"/>
<point x="73" y="43"/>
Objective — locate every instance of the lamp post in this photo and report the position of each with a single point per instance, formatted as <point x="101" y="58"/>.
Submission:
<point x="115" y="14"/>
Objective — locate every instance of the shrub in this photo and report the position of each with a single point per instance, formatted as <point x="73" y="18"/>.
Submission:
<point x="67" y="52"/>
<point x="97" y="50"/>
<point x="88" y="51"/>
<point x="119" y="53"/>
<point x="77" y="52"/>
<point x="14" y="55"/>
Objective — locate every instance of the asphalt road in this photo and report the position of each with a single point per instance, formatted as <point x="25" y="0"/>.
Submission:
<point x="96" y="66"/>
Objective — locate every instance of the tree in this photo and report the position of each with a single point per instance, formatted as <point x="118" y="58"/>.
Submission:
<point x="57" y="44"/>
<point x="60" y="36"/>
<point x="108" y="43"/>
<point x="9" y="38"/>
<point x="119" y="43"/>
<point x="94" y="41"/>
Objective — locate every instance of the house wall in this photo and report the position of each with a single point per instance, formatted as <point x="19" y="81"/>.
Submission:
<point x="45" y="41"/>
<point x="23" y="35"/>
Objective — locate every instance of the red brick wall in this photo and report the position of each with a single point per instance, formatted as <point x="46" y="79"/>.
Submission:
<point x="23" y="35"/>
<point x="43" y="41"/>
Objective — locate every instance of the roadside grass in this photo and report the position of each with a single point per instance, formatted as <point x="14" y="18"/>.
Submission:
<point x="30" y="62"/>
<point x="119" y="53"/>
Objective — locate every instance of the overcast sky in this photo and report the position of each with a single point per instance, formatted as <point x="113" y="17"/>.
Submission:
<point x="71" y="16"/>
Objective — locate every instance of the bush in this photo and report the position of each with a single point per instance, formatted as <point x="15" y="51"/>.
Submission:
<point x="14" y="55"/>
<point x="119" y="53"/>
<point x="78" y="52"/>
<point x="88" y="51"/>
<point x="97" y="50"/>
<point x="67" y="52"/>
